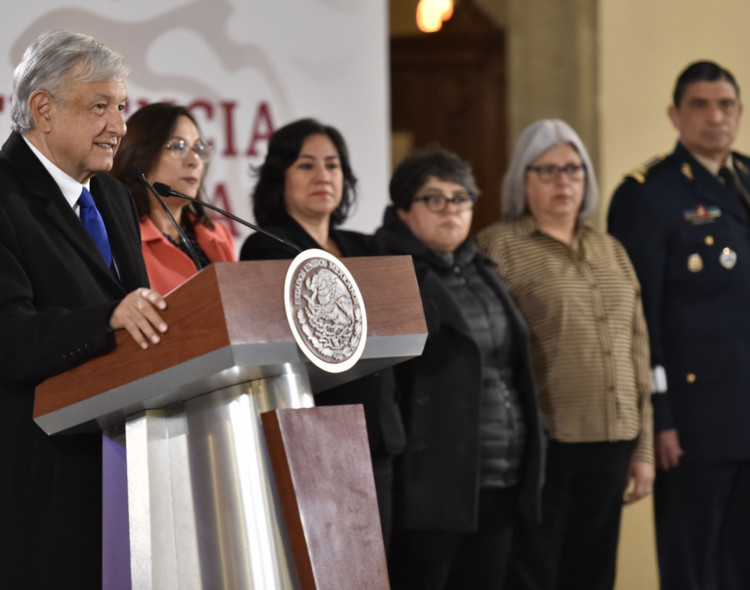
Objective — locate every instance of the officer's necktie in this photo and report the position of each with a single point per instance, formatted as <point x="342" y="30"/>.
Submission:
<point x="728" y="180"/>
<point x="92" y="221"/>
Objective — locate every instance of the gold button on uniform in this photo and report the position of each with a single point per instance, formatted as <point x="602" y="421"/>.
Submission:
<point x="709" y="240"/>
<point x="690" y="378"/>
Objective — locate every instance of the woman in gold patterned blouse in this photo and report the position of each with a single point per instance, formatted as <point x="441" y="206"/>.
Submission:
<point x="581" y="300"/>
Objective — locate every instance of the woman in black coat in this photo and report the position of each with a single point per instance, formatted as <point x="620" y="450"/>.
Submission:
<point x="305" y="188"/>
<point x="474" y="453"/>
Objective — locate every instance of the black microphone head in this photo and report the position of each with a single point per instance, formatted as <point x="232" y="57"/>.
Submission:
<point x="163" y="189"/>
<point x="135" y="174"/>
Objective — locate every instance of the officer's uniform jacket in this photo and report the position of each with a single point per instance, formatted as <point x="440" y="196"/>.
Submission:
<point x="689" y="240"/>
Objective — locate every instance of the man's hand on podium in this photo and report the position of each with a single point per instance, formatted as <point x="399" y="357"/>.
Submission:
<point x="138" y="314"/>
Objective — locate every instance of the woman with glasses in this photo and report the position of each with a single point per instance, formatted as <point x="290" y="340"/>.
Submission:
<point x="581" y="299"/>
<point x="474" y="444"/>
<point x="163" y="141"/>
<point x="305" y="190"/>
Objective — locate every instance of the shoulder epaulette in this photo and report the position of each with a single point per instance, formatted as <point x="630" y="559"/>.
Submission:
<point x="741" y="161"/>
<point x="640" y="173"/>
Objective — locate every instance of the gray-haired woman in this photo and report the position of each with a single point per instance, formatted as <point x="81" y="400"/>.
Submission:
<point x="581" y="300"/>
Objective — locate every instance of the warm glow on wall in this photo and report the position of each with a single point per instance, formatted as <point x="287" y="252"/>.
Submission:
<point x="432" y="13"/>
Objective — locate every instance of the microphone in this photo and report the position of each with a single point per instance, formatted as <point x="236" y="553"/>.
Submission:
<point x="167" y="191"/>
<point x="136" y="174"/>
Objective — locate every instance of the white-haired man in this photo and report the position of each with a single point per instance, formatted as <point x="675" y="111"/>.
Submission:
<point x="71" y="273"/>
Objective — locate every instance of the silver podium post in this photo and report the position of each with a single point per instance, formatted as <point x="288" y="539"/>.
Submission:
<point x="204" y="510"/>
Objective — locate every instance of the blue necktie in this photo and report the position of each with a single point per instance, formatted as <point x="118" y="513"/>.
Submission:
<point x="94" y="224"/>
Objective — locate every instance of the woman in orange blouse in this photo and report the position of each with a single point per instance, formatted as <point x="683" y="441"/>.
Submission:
<point x="163" y="141"/>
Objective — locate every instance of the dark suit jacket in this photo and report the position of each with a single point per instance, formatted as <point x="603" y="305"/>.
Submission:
<point x="375" y="392"/>
<point x="437" y="477"/>
<point x="689" y="240"/>
<point x="56" y="297"/>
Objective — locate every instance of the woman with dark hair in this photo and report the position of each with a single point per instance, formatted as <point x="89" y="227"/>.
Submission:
<point x="474" y="454"/>
<point x="306" y="187"/>
<point x="163" y="141"/>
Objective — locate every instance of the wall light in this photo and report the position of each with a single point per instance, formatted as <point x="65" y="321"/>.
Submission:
<point x="432" y="13"/>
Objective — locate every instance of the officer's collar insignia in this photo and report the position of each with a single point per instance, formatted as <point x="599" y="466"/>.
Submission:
<point x="687" y="171"/>
<point x="701" y="214"/>
<point x="741" y="166"/>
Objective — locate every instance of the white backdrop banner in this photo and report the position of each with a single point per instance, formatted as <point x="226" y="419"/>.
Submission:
<point x="245" y="68"/>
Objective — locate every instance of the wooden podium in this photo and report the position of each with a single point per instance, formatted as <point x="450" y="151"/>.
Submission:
<point x="204" y="509"/>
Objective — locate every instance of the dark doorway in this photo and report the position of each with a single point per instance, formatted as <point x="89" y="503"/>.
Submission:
<point x="449" y="87"/>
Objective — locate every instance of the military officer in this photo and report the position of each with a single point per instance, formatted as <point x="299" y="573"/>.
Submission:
<point x="684" y="221"/>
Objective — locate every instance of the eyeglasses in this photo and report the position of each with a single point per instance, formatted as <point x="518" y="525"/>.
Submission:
<point x="180" y="149"/>
<point x="551" y="172"/>
<point x="438" y="202"/>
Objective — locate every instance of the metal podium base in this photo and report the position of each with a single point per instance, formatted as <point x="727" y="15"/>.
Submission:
<point x="201" y="492"/>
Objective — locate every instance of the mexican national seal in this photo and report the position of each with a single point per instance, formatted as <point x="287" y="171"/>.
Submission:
<point x="325" y="311"/>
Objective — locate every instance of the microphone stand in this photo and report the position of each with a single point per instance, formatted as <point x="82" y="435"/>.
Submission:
<point x="141" y="177"/>
<point x="167" y="191"/>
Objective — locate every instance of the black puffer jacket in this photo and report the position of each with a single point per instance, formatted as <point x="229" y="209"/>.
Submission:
<point x="437" y="477"/>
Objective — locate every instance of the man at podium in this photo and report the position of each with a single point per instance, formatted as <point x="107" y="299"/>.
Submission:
<point x="71" y="273"/>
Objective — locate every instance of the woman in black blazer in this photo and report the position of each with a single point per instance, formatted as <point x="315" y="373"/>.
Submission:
<point x="305" y="189"/>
